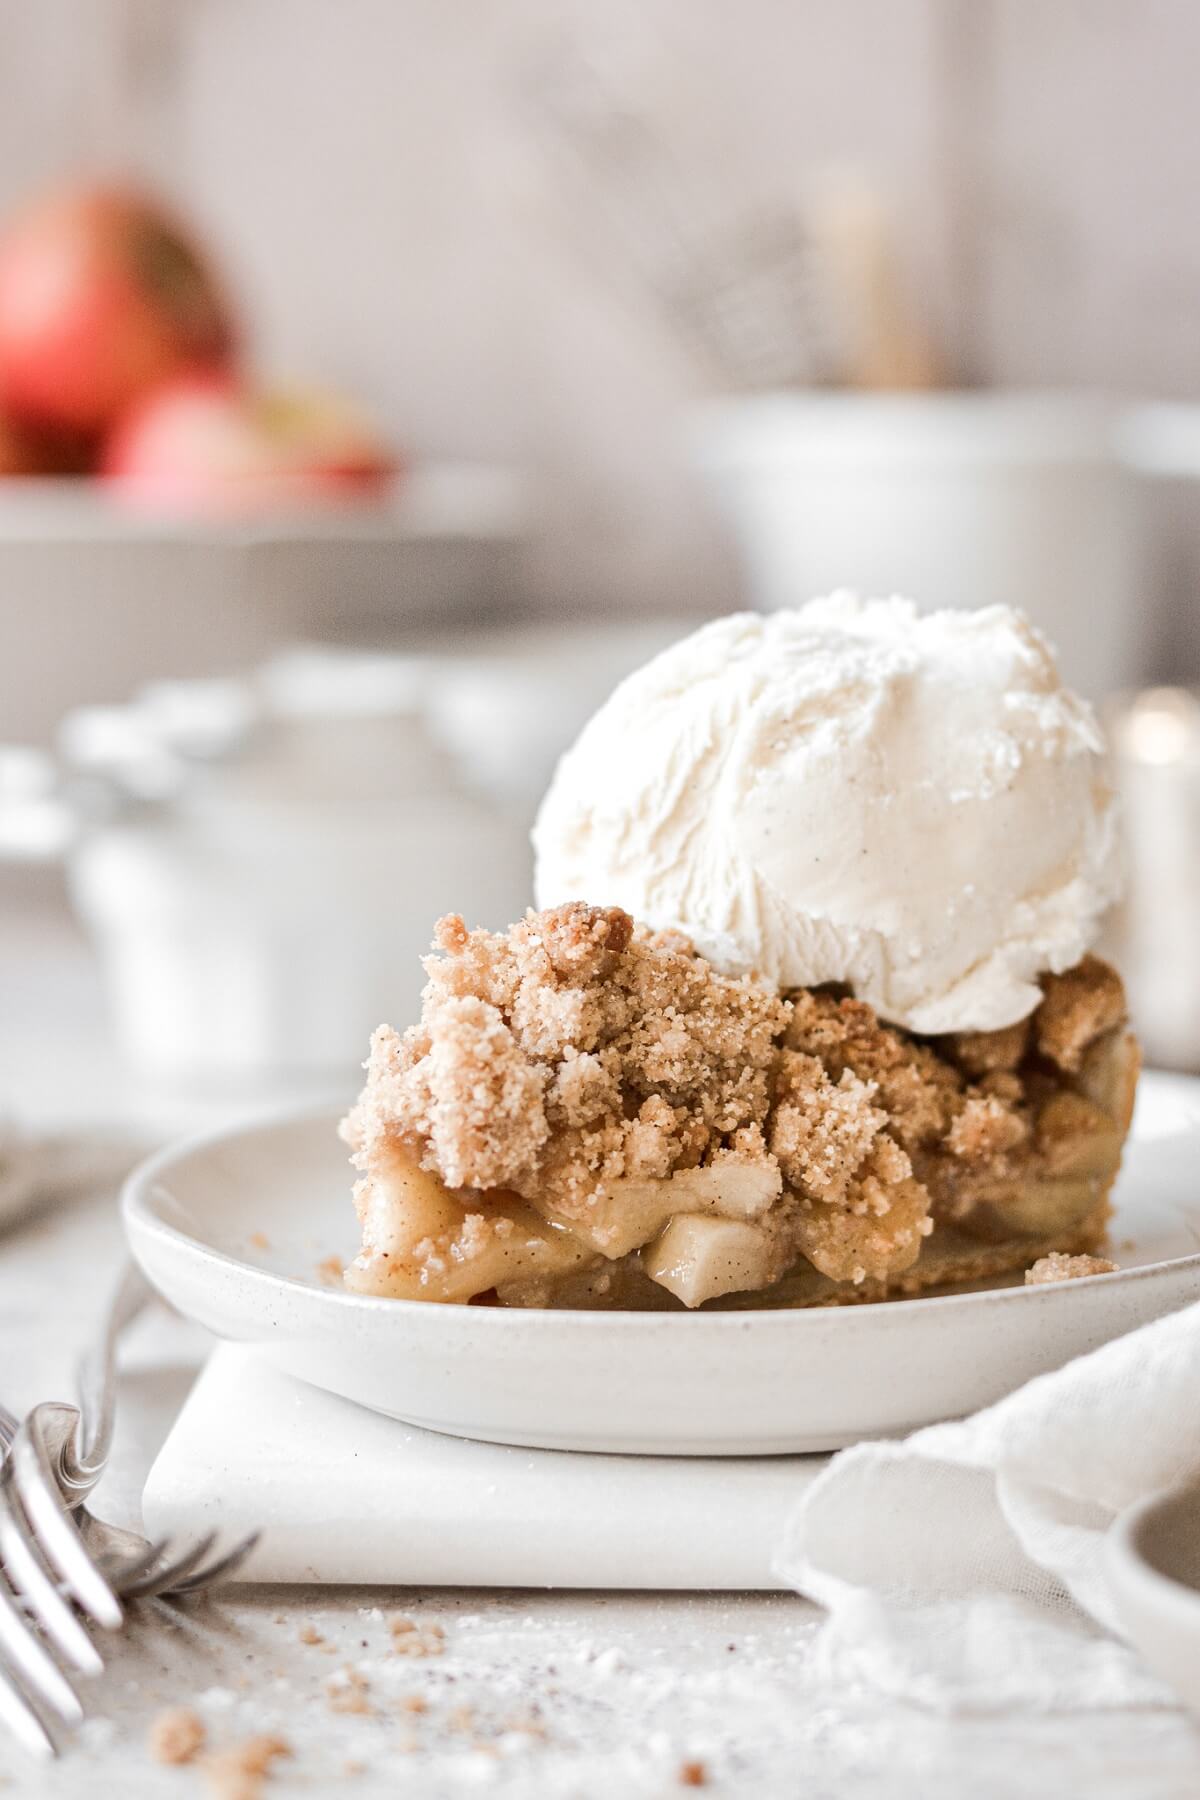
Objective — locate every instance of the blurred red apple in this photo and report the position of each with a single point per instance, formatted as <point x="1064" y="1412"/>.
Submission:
<point x="207" y="444"/>
<point x="102" y="298"/>
<point x="26" y="452"/>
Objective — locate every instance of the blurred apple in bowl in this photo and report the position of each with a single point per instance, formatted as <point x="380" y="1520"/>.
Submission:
<point x="29" y="452"/>
<point x="211" y="445"/>
<point x="102" y="298"/>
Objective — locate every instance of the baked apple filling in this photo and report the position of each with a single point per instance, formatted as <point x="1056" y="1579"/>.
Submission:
<point x="589" y="1114"/>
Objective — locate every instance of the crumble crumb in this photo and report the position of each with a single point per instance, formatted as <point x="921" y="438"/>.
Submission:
<point x="411" y="1640"/>
<point x="985" y="1129"/>
<point x="347" y="1692"/>
<point x="918" y="1090"/>
<point x="238" y="1773"/>
<point x="1077" y="1008"/>
<point x="990" y="1052"/>
<point x="310" y="1635"/>
<point x="693" y="1774"/>
<point x="260" y="1240"/>
<point x="414" y="1703"/>
<point x="1057" y="1267"/>
<point x="822" y="1131"/>
<point x="330" y="1270"/>
<point x="882" y="1233"/>
<point x="176" y="1735"/>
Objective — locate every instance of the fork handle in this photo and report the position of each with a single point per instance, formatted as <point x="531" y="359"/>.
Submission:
<point x="82" y="1463"/>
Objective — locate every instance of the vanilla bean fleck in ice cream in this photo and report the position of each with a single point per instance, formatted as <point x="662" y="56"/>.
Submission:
<point x="855" y="792"/>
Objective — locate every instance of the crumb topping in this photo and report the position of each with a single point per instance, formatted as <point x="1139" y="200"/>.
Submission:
<point x="572" y="1053"/>
<point x="590" y="1078"/>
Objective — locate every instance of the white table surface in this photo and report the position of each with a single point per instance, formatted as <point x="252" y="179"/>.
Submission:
<point x="536" y="1693"/>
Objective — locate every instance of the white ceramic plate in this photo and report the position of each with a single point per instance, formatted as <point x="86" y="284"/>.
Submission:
<point x="231" y="1228"/>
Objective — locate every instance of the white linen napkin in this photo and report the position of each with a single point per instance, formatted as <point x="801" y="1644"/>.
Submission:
<point x="961" y="1568"/>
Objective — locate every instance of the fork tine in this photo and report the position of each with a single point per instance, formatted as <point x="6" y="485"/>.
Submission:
<point x="123" y="1576"/>
<point x="57" y="1536"/>
<point x="164" y="1579"/>
<point x="31" y="1582"/>
<point x="22" y="1719"/>
<point x="216" y="1571"/>
<point x="28" y="1656"/>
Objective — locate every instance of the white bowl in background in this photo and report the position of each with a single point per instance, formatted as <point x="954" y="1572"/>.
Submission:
<point x="1152" y="1559"/>
<point x="955" y="499"/>
<point x="96" y="598"/>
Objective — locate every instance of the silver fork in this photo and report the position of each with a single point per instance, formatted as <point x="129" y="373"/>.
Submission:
<point x="45" y="1574"/>
<point x="71" y="1447"/>
<point x="57" y="1558"/>
<point x="135" y="1567"/>
<point x="52" y="1574"/>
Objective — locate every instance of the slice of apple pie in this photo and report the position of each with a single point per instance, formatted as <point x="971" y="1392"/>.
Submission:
<point x="588" y="1114"/>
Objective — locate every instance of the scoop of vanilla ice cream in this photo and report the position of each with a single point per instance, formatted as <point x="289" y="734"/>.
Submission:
<point x="852" y="792"/>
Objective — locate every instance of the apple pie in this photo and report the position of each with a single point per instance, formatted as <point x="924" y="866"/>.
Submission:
<point x="588" y="1114"/>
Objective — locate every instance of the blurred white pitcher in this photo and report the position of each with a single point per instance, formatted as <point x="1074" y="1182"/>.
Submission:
<point x="956" y="499"/>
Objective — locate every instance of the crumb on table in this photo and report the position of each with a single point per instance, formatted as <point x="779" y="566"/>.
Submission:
<point x="347" y="1692"/>
<point x="693" y="1774"/>
<point x="411" y="1639"/>
<point x="238" y="1773"/>
<point x="1057" y="1267"/>
<point x="176" y="1734"/>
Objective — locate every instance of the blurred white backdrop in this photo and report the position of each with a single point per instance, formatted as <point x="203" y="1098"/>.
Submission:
<point x="378" y="176"/>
